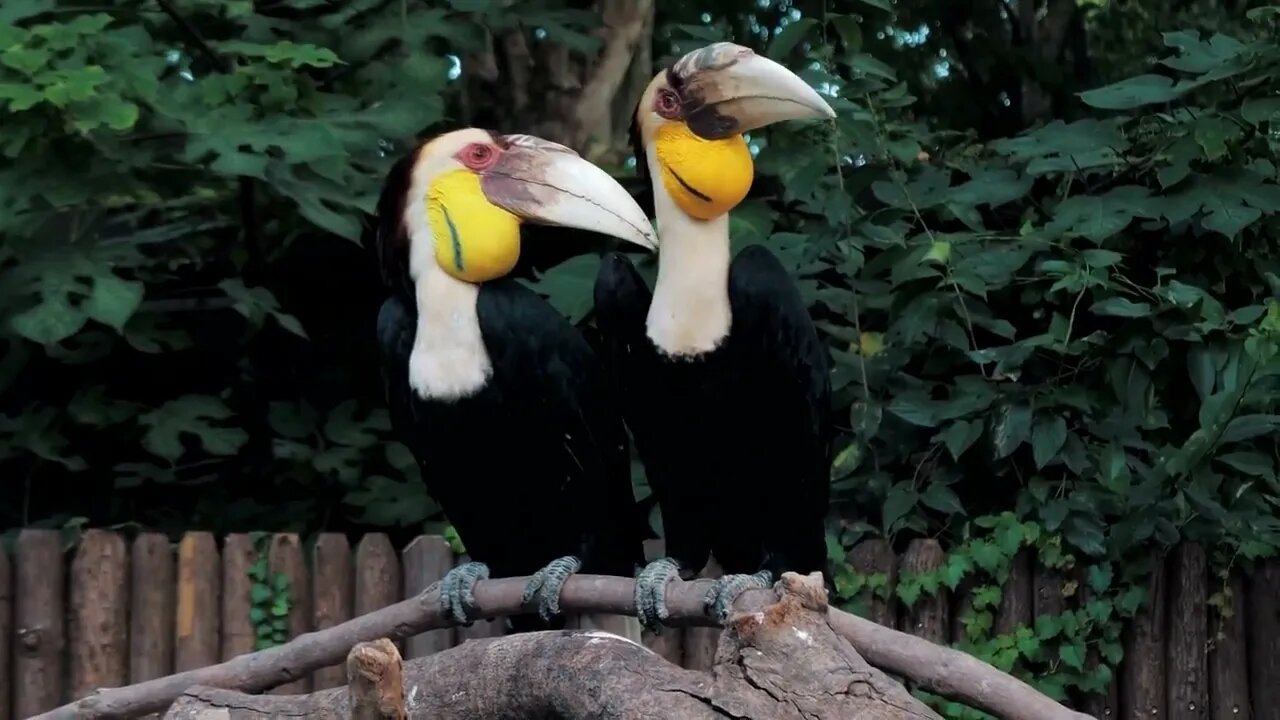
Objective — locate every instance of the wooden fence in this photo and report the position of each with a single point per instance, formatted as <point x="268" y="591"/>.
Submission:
<point x="118" y="612"/>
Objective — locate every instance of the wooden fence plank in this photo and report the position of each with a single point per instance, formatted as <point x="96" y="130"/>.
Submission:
<point x="286" y="558"/>
<point x="1264" y="636"/>
<point x="38" y="623"/>
<point x="1047" y="592"/>
<point x="1016" y="598"/>
<point x="700" y="643"/>
<point x="331" y="597"/>
<point x="1142" y="685"/>
<point x="1229" y="656"/>
<point x="238" y="555"/>
<point x="377" y="574"/>
<point x="961" y="610"/>
<point x="426" y="559"/>
<point x="1186" y="666"/>
<point x="479" y="629"/>
<point x="195" y="642"/>
<point x="6" y="633"/>
<point x="928" y="617"/>
<point x="98" y="631"/>
<point x="151" y="590"/>
<point x="871" y="557"/>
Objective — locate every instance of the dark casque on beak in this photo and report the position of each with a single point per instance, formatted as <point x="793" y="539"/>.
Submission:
<point x="727" y="89"/>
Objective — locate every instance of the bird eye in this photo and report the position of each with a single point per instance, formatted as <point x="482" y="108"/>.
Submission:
<point x="478" y="156"/>
<point x="668" y="104"/>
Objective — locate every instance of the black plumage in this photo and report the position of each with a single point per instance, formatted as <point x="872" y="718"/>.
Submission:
<point x="534" y="466"/>
<point x="736" y="442"/>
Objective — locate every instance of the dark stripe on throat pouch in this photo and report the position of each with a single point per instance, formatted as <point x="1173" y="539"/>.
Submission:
<point x="687" y="186"/>
<point x="457" y="241"/>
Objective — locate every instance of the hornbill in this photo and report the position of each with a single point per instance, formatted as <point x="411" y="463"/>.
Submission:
<point x="500" y="399"/>
<point x="723" y="378"/>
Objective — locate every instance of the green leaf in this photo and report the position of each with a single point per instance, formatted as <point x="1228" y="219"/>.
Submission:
<point x="259" y="594"/>
<point x="885" y="5"/>
<point x="902" y="498"/>
<point x="1101" y="258"/>
<point x="788" y="37"/>
<point x="1249" y="463"/>
<point x="1073" y="655"/>
<point x="1203" y="370"/>
<point x="1098" y="217"/>
<point x="942" y="498"/>
<point x="1197" y="56"/>
<point x="1011" y="430"/>
<point x="1259" y="110"/>
<point x="20" y="97"/>
<point x="570" y="286"/>
<point x="1120" y="307"/>
<point x="915" y="408"/>
<point x="960" y="435"/>
<point x="868" y="65"/>
<point x="1246" y="427"/>
<point x="1100" y="577"/>
<point x="194" y="415"/>
<point x="1133" y="93"/>
<point x="26" y="60"/>
<point x="52" y="321"/>
<point x="113" y="301"/>
<point x="850" y="31"/>
<point x="1047" y="438"/>
<point x="1213" y="133"/>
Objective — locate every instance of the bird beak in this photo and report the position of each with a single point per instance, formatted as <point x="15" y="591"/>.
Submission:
<point x="547" y="183"/>
<point x="731" y="90"/>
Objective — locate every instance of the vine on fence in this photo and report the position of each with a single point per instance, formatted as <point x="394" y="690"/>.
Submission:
<point x="269" y="598"/>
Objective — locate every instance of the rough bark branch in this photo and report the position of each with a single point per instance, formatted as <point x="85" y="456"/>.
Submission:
<point x="783" y="662"/>
<point x="375" y="681"/>
<point x="938" y="669"/>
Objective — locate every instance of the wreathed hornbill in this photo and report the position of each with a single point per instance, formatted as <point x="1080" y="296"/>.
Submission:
<point x="501" y="400"/>
<point x="724" y="380"/>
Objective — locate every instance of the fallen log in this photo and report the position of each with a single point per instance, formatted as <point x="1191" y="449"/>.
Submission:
<point x="937" y="669"/>
<point x="784" y="662"/>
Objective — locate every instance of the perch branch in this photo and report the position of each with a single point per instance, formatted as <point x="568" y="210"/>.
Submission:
<point x="937" y="669"/>
<point x="782" y="663"/>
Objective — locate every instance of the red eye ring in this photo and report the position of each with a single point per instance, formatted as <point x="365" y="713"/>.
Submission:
<point x="667" y="104"/>
<point x="478" y="156"/>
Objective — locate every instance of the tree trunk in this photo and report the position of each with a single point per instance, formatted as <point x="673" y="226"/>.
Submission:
<point x="782" y="662"/>
<point x="518" y="84"/>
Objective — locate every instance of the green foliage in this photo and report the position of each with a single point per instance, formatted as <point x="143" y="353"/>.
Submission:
<point x="269" y="598"/>
<point x="1016" y="326"/>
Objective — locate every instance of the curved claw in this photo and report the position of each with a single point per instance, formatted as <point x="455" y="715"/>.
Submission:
<point x="457" y="592"/>
<point x="651" y="592"/>
<point x="546" y="585"/>
<point x="719" y="599"/>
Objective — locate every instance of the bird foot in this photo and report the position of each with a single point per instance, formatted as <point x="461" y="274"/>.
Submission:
<point x="651" y="592"/>
<point x="546" y="584"/>
<point x="457" y="592"/>
<point x="719" y="599"/>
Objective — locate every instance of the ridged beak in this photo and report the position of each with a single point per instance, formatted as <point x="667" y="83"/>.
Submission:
<point x="547" y="183"/>
<point x="728" y="89"/>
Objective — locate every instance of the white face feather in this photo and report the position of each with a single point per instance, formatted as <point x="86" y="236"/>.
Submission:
<point x="690" y="313"/>
<point x="449" y="361"/>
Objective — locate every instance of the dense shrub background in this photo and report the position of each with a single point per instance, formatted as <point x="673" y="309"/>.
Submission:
<point x="1054" y="330"/>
